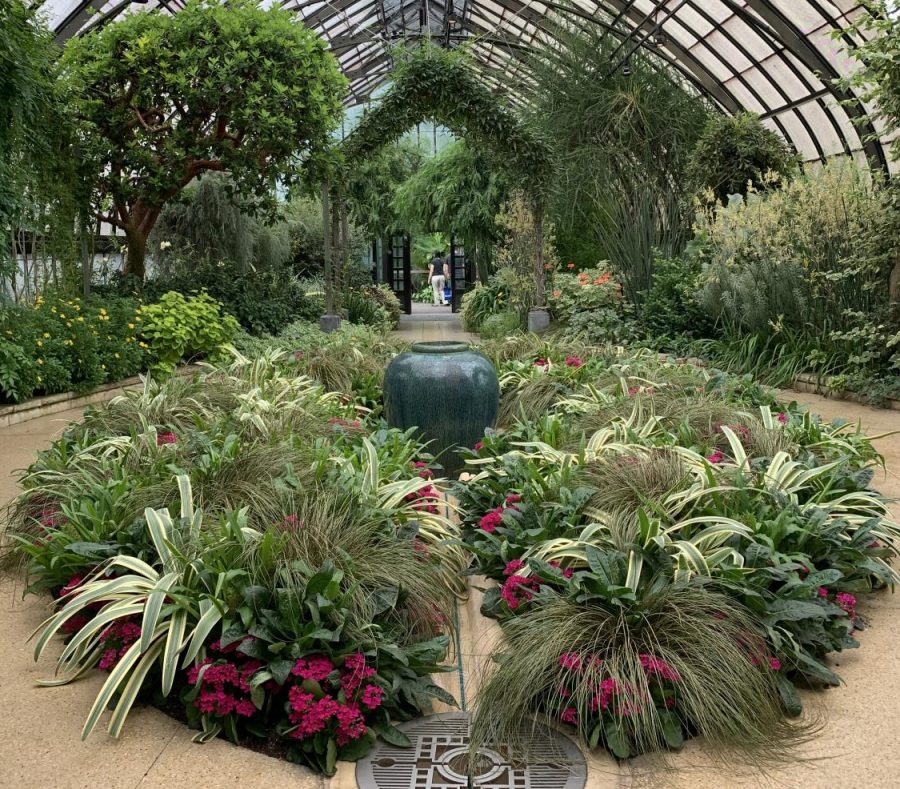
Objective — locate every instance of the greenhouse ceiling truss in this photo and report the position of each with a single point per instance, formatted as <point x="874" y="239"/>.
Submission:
<point x="778" y="58"/>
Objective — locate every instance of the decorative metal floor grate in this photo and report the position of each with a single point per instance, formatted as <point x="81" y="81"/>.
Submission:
<point x="439" y="760"/>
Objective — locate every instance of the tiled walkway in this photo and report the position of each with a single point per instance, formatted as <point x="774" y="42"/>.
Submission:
<point x="39" y="729"/>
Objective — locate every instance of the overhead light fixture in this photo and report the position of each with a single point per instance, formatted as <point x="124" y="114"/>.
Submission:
<point x="626" y="69"/>
<point x="659" y="38"/>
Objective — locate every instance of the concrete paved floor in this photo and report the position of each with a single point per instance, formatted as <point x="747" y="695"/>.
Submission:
<point x="39" y="728"/>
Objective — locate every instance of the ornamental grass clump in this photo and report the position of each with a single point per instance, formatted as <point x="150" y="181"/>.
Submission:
<point x="682" y="661"/>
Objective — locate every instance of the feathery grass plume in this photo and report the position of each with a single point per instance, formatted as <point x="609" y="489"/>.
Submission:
<point x="726" y="690"/>
<point x="393" y="578"/>
<point x="530" y="400"/>
<point x="625" y="482"/>
<point x="232" y="473"/>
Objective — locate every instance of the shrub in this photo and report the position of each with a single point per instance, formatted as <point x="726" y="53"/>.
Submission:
<point x="501" y="324"/>
<point x="308" y="582"/>
<point x="670" y="308"/>
<point x="812" y="259"/>
<point x="735" y="151"/>
<point x="264" y="299"/>
<point x="177" y="328"/>
<point x="64" y="344"/>
<point x="589" y="289"/>
<point x="509" y="290"/>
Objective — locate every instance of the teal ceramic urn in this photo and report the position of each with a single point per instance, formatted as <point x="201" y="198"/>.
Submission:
<point x="446" y="390"/>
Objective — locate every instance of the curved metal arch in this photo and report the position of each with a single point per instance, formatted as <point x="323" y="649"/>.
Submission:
<point x="819" y="117"/>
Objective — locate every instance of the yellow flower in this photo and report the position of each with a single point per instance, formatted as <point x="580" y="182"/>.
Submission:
<point x="81" y="318"/>
<point x="102" y="366"/>
<point x="39" y="379"/>
<point x="8" y="333"/>
<point x="116" y="355"/>
<point x="53" y="309"/>
<point x="130" y="325"/>
<point x="47" y="335"/>
<point x="143" y="345"/>
<point x="62" y="317"/>
<point x="40" y="361"/>
<point x="40" y="344"/>
<point x="69" y="324"/>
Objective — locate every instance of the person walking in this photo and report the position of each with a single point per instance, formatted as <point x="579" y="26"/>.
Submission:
<point x="437" y="273"/>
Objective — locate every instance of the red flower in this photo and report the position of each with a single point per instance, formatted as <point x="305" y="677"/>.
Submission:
<point x="573" y="361"/>
<point x="165" y="438"/>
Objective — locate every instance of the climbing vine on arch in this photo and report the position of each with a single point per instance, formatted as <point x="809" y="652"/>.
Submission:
<point x="441" y="85"/>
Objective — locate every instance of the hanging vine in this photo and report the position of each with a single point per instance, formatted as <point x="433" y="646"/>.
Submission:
<point x="434" y="84"/>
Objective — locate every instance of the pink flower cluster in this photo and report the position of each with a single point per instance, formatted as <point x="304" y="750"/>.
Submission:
<point x="51" y="517"/>
<point x="610" y="695"/>
<point x="846" y="601"/>
<point x="225" y="681"/>
<point x="290" y="522"/>
<point x="574" y="361"/>
<point x="116" y="641"/>
<point x="783" y="418"/>
<point x="424" y="471"/>
<point x="311" y="715"/>
<point x="165" y="438"/>
<point x="345" y="424"/>
<point x="494" y="518"/>
<point x="716" y="456"/>
<point x="426" y="498"/>
<point x="518" y="589"/>
<point x="541" y="362"/>
<point x="74" y="623"/>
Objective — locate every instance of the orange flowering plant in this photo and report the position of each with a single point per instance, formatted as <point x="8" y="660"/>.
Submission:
<point x="588" y="290"/>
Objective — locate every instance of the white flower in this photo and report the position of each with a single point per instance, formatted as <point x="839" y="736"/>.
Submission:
<point x="165" y="244"/>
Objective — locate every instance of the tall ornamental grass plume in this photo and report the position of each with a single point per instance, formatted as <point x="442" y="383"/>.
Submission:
<point x="625" y="482"/>
<point x="685" y="661"/>
<point x="390" y="570"/>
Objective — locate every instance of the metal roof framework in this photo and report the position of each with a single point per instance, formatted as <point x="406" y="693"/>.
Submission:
<point x="777" y="58"/>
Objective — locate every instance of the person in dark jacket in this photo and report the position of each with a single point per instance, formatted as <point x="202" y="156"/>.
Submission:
<point x="438" y="272"/>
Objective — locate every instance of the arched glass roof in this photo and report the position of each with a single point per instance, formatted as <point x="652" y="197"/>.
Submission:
<point x="778" y="58"/>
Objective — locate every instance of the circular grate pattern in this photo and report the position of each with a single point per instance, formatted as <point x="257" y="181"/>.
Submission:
<point x="439" y="757"/>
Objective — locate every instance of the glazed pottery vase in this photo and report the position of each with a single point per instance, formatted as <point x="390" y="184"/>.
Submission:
<point x="446" y="390"/>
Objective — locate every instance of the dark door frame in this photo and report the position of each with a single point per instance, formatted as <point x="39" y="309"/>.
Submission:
<point x="397" y="268"/>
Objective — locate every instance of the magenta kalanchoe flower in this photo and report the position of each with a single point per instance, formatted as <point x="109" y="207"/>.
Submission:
<point x="774" y="664"/>
<point x="717" y="456"/>
<point x="315" y="667"/>
<point x="574" y="361"/>
<point x="569" y="715"/>
<point x="783" y="418"/>
<point x="165" y="438"/>
<point x="491" y="520"/>
<point x="570" y="661"/>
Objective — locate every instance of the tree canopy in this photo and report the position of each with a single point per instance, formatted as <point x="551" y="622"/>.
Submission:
<point x="160" y="99"/>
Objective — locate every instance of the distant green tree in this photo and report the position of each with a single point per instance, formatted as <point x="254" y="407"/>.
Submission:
<point x="161" y="98"/>
<point x="459" y="191"/>
<point x="373" y="181"/>
<point x="29" y="126"/>
<point x="878" y="79"/>
<point x="736" y="150"/>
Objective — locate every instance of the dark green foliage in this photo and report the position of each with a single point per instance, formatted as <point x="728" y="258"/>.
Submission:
<point x="64" y="344"/>
<point x="671" y="308"/>
<point x="161" y="98"/>
<point x="209" y="220"/>
<point x="263" y="300"/>
<point x="735" y="150"/>
<point x="372" y="181"/>
<point x="460" y="191"/>
<point x="878" y="79"/>
<point x="440" y="85"/>
<point x="621" y="145"/>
